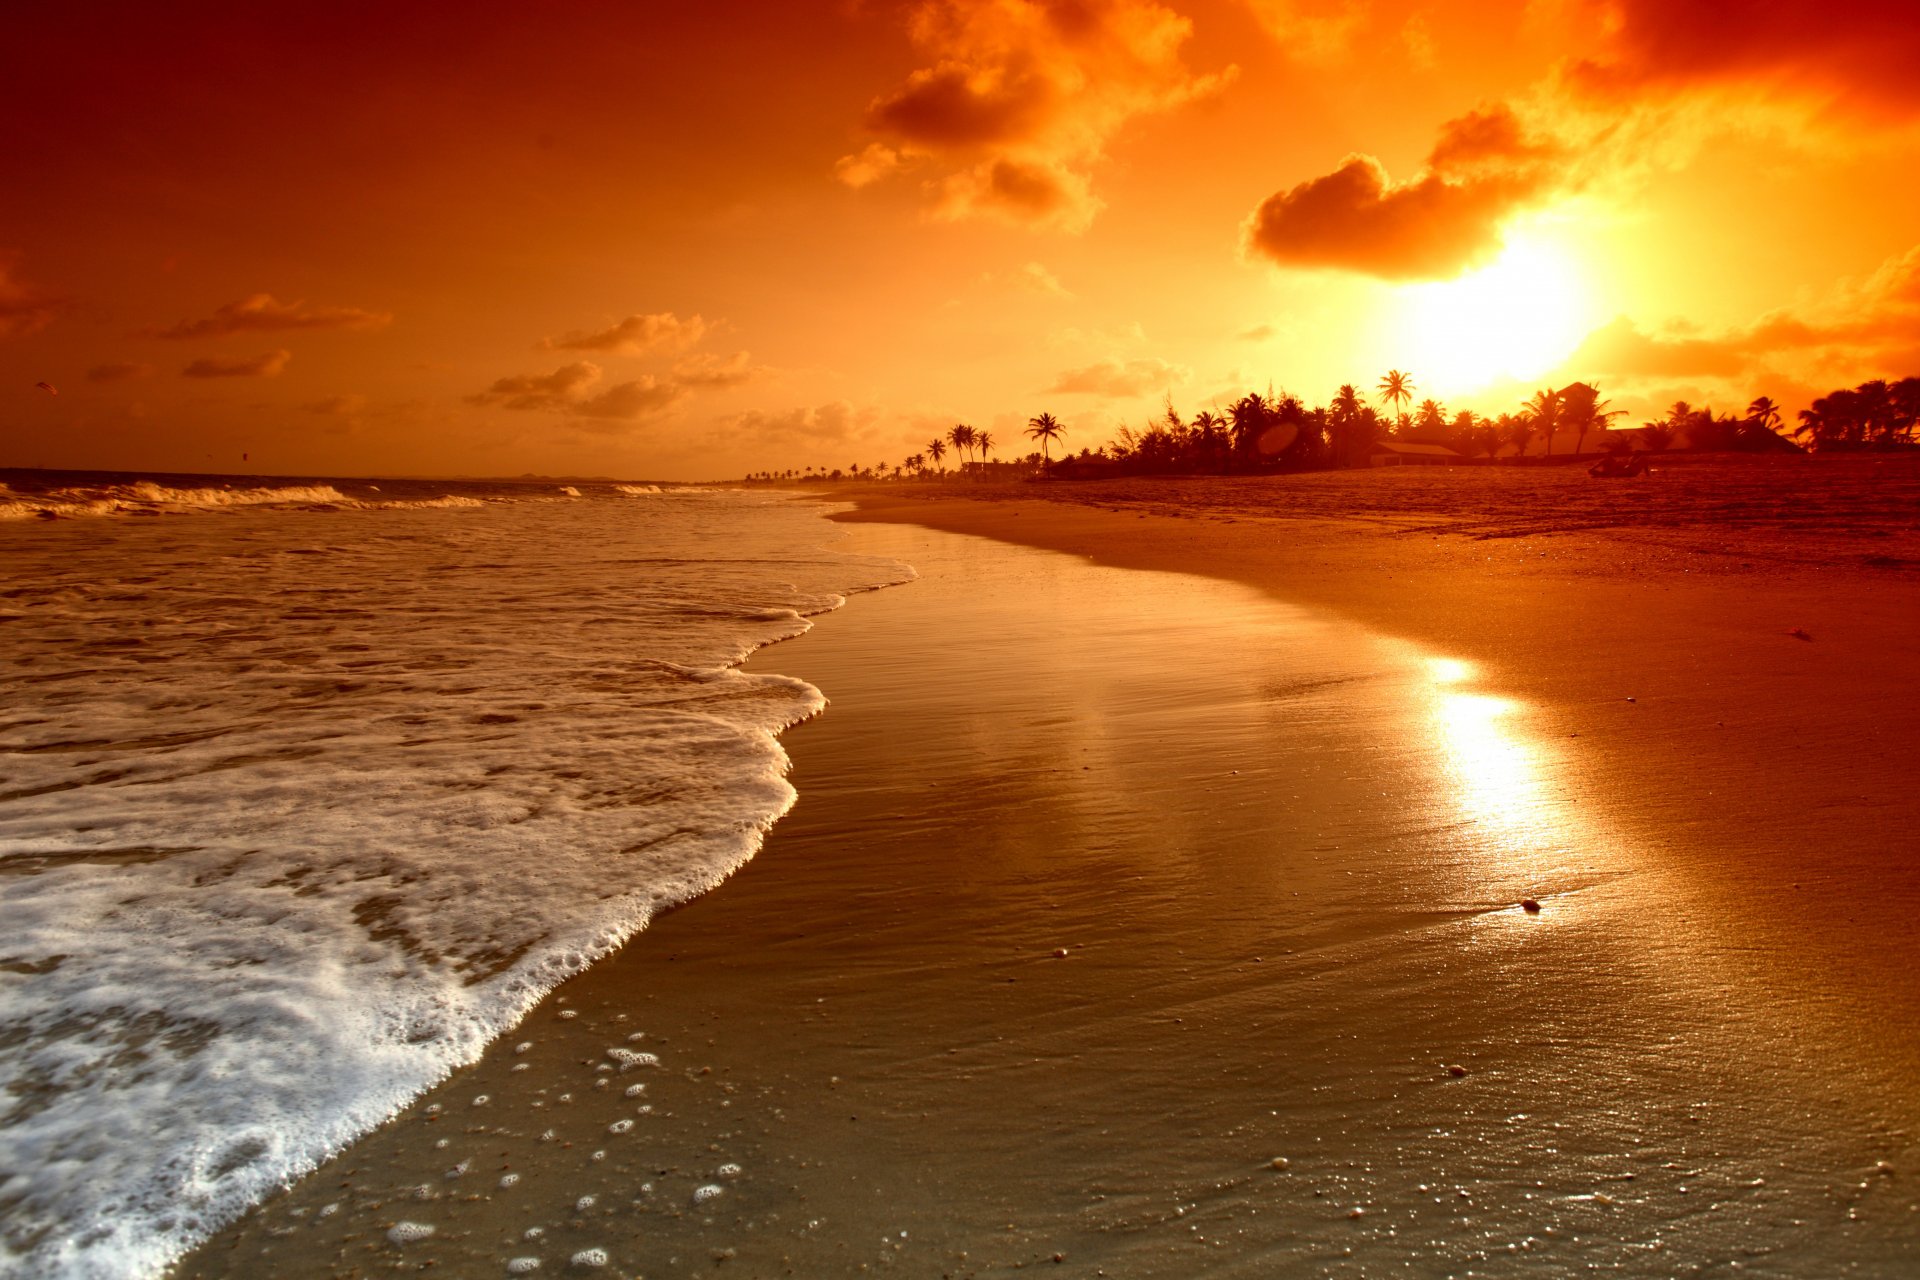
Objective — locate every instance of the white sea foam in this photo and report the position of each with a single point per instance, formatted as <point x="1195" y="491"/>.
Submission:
<point x="295" y="817"/>
<point x="636" y="490"/>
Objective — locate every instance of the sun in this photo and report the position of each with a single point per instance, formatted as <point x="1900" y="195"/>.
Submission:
<point x="1517" y="317"/>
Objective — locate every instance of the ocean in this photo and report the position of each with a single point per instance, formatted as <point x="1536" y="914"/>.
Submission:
<point x="310" y="789"/>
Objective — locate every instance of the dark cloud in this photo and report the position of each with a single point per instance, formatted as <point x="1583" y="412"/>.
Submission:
<point x="269" y="365"/>
<point x="260" y="313"/>
<point x="119" y="372"/>
<point x="1483" y="168"/>
<point x="1121" y="379"/>
<point x="1861" y="53"/>
<point x="24" y="309"/>
<point x="1020" y="99"/>
<point x="954" y="106"/>
<point x="1354" y="219"/>
<point x="635" y="335"/>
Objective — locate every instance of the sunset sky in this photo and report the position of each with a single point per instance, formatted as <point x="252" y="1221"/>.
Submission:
<point x="688" y="241"/>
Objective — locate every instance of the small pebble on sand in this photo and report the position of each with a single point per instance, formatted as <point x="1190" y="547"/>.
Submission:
<point x="1278" y="1162"/>
<point x="1531" y="905"/>
<point x="1456" y="1071"/>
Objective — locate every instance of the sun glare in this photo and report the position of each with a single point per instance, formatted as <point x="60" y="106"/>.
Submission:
<point x="1517" y="317"/>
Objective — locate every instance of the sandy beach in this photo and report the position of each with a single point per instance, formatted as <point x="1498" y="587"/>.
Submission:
<point x="1153" y="906"/>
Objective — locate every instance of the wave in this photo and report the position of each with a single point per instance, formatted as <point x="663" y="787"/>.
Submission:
<point x="290" y="836"/>
<point x="147" y="497"/>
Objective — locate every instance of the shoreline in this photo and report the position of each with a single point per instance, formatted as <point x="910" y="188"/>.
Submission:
<point x="869" y="1034"/>
<point x="1652" y="656"/>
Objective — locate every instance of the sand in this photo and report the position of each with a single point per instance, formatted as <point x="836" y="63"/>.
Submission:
<point x="1134" y="922"/>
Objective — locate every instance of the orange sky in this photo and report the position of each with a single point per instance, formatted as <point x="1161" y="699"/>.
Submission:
<point x="673" y="241"/>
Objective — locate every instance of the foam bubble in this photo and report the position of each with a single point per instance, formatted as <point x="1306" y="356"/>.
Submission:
<point x="523" y="1266"/>
<point x="405" y="1233"/>
<point x="703" y="1194"/>
<point x="589" y="1258"/>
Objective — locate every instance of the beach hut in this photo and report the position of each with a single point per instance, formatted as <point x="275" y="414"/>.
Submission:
<point x="1400" y="453"/>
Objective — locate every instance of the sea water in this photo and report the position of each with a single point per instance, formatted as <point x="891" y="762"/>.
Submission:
<point x="309" y="790"/>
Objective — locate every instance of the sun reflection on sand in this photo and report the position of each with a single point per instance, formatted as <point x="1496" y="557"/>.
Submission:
<point x="1495" y="772"/>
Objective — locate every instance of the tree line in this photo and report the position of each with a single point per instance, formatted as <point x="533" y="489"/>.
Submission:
<point x="1271" y="431"/>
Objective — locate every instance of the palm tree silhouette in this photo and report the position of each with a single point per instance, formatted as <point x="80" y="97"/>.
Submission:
<point x="1581" y="408"/>
<point x="1544" y="410"/>
<point x="962" y="438"/>
<point x="1347" y="403"/>
<point x="983" y="441"/>
<point x="1432" y="416"/>
<point x="1046" y="429"/>
<point x="1764" y="413"/>
<point x="1397" y="389"/>
<point x="938" y="448"/>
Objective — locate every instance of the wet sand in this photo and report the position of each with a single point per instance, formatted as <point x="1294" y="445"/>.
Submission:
<point x="1280" y="822"/>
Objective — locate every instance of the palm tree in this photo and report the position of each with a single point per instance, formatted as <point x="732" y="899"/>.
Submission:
<point x="1397" y="389"/>
<point x="1582" y="409"/>
<point x="1347" y="403"/>
<point x="1046" y="429"/>
<point x="938" y="448"/>
<point x="962" y="438"/>
<point x="1544" y="410"/>
<point x="1764" y="413"/>
<point x="1432" y="416"/>
<point x="983" y="441"/>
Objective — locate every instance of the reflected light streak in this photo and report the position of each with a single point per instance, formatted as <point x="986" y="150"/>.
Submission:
<point x="1494" y="769"/>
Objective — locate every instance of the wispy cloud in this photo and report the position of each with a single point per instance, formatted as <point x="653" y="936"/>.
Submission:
<point x="119" y="372"/>
<point x="24" y="308"/>
<point x="1121" y="379"/>
<point x="634" y="336"/>
<point x="260" y="313"/>
<point x="269" y="365"/>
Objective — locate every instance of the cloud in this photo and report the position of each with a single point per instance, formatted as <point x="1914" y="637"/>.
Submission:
<point x="1034" y="278"/>
<point x="119" y="372"/>
<point x="1021" y="100"/>
<point x="259" y="313"/>
<point x="643" y="397"/>
<point x="270" y="365"/>
<point x="1120" y="380"/>
<point x="636" y="335"/>
<point x="712" y="373"/>
<point x="1257" y="333"/>
<point x="1867" y="327"/>
<point x="337" y="406"/>
<point x="834" y="423"/>
<point x="869" y="166"/>
<point x="534" y="391"/>
<point x="574" y="389"/>
<point x="24" y="309"/>
<point x="1858" y="54"/>
<point x="1311" y="30"/>
<point x="1482" y="170"/>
